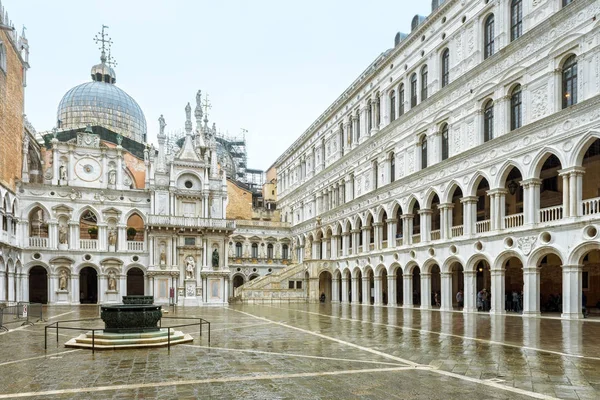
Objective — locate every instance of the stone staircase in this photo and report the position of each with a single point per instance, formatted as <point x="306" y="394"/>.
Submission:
<point x="274" y="287"/>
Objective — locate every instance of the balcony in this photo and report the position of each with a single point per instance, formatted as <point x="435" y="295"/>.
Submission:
<point x="169" y="221"/>
<point x="590" y="206"/>
<point x="482" y="226"/>
<point x="258" y="260"/>
<point x="436" y="235"/>
<point x="551" y="214"/>
<point x="514" y="220"/>
<point x="38" y="242"/>
<point x="88" y="244"/>
<point x="135" y="246"/>
<point x="457" y="231"/>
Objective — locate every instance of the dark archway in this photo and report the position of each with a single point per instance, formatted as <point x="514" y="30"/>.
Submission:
<point x="88" y="286"/>
<point x="416" y="286"/>
<point x="484" y="283"/>
<point x="513" y="283"/>
<point x="38" y="285"/>
<point x="436" y="286"/>
<point x="551" y="281"/>
<point x="384" y="287"/>
<point x="135" y="282"/>
<point x="325" y="280"/>
<point x="399" y="287"/>
<point x="238" y="281"/>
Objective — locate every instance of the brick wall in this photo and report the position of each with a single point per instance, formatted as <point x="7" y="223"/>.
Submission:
<point x="240" y="202"/>
<point x="11" y="116"/>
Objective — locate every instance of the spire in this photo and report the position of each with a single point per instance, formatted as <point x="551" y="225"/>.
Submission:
<point x="188" y="152"/>
<point x="104" y="72"/>
<point x="199" y="139"/>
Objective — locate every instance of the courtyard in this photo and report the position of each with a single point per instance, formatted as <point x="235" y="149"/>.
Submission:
<point x="317" y="351"/>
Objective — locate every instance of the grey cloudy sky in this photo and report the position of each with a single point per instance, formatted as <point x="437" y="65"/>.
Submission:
<point x="269" y="66"/>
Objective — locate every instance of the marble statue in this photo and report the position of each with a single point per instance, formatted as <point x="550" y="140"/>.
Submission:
<point x="190" y="267"/>
<point x="62" y="280"/>
<point x="188" y="112"/>
<point x="112" y="237"/>
<point x="163" y="257"/>
<point x="215" y="258"/>
<point x="112" y="177"/>
<point x="112" y="281"/>
<point x="162" y="124"/>
<point x="62" y="172"/>
<point x="62" y="234"/>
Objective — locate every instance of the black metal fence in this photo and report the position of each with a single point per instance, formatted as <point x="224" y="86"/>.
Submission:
<point x="57" y="327"/>
<point x="23" y="312"/>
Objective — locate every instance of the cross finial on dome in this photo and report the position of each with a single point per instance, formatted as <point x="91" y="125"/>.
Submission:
<point x="104" y="41"/>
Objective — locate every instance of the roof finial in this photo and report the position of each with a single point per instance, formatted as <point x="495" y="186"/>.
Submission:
<point x="188" y="119"/>
<point x="206" y="105"/>
<point x="104" y="40"/>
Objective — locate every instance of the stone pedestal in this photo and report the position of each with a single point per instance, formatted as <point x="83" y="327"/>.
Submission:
<point x="190" y="298"/>
<point x="112" y="296"/>
<point x="63" y="246"/>
<point x="62" y="297"/>
<point x="112" y="248"/>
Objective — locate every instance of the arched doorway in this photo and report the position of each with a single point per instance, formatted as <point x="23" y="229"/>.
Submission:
<point x="325" y="279"/>
<point x="513" y="283"/>
<point x="436" y="286"/>
<point x="514" y="200"/>
<point x="399" y="287"/>
<point x="550" y="284"/>
<point x="416" y="286"/>
<point x="370" y="287"/>
<point x="135" y="282"/>
<point x="38" y="285"/>
<point x="484" y="283"/>
<point x="457" y="285"/>
<point x="590" y="280"/>
<point x="88" y="286"/>
<point x="238" y="281"/>
<point x="384" y="286"/>
<point x="358" y="280"/>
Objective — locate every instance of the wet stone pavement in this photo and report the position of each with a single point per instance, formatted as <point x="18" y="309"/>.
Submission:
<point x="316" y="351"/>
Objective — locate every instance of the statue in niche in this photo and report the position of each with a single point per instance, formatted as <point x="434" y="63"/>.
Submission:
<point x="162" y="124"/>
<point x="215" y="258"/>
<point x="163" y="257"/>
<point x="308" y="250"/>
<point x="62" y="172"/>
<point x="112" y="237"/>
<point x="190" y="266"/>
<point x="112" y="177"/>
<point x="112" y="280"/>
<point x="62" y="280"/>
<point x="62" y="234"/>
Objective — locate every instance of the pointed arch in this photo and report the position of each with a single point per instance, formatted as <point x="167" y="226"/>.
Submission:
<point x="540" y="159"/>
<point x="475" y="181"/>
<point x="92" y="209"/>
<point x="581" y="148"/>
<point x="503" y="172"/>
<point x="448" y="194"/>
<point x="429" y="196"/>
<point x="131" y="212"/>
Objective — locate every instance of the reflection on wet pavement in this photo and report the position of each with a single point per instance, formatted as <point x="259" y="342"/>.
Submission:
<point x="318" y="351"/>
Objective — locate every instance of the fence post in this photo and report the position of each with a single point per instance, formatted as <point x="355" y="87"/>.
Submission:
<point x="93" y="341"/>
<point x="45" y="337"/>
<point x="169" y="339"/>
<point x="56" y="333"/>
<point x="209" y="333"/>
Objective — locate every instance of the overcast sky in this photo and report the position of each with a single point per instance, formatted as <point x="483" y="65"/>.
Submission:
<point x="269" y="66"/>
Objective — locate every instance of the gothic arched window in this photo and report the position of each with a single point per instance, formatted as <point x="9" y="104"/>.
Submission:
<point x="445" y="144"/>
<point x="238" y="249"/>
<point x="569" y="82"/>
<point x="413" y="90"/>
<point x="423" y="146"/>
<point x="516" y="19"/>
<point x="445" y="68"/>
<point x="488" y="121"/>
<point x="401" y="99"/>
<point x="392" y="105"/>
<point x="516" y="105"/>
<point x="424" y="72"/>
<point x="488" y="37"/>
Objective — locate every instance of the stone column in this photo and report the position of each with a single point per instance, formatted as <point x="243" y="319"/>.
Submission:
<point x="52" y="235"/>
<point x="378" y="229"/>
<point x="378" y="291"/>
<point x="392" y="226"/>
<point x="469" y="294"/>
<point x="425" y="290"/>
<point x="566" y="206"/>
<point x="425" y="224"/>
<point x="531" y="200"/>
<point x="446" y="291"/>
<point x="344" y="289"/>
<point x="469" y="214"/>
<point x="445" y="220"/>
<point x="391" y="289"/>
<point x="571" y="293"/>
<point x="335" y="291"/>
<point x="497" y="291"/>
<point x="102" y="236"/>
<point x="366" y="290"/>
<point x="74" y="288"/>
<point x="531" y="291"/>
<point x="55" y="162"/>
<point x="355" y="289"/>
<point x="335" y="239"/>
<point x="407" y="228"/>
<point x="3" y="286"/>
<point x="407" y="289"/>
<point x="74" y="235"/>
<point x="366" y="234"/>
<point x="576" y="190"/>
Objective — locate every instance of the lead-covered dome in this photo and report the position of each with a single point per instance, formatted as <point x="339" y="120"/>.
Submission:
<point x="102" y="103"/>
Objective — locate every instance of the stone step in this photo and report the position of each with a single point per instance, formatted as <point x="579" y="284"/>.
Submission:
<point x="85" y="341"/>
<point x="109" y="335"/>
